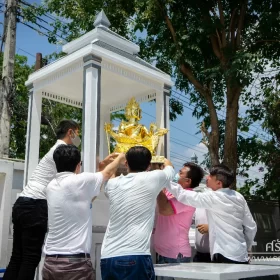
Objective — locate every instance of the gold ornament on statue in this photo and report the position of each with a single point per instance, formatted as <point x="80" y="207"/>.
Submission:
<point x="131" y="133"/>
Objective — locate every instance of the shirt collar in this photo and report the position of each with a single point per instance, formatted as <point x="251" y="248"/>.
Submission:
<point x="223" y="189"/>
<point x="59" y="141"/>
<point x="63" y="174"/>
<point x="132" y="174"/>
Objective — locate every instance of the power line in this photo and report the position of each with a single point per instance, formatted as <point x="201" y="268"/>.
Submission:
<point x="185" y="145"/>
<point x="43" y="27"/>
<point x="39" y="31"/>
<point x="26" y="52"/>
<point x="219" y="114"/>
<point x="240" y="133"/>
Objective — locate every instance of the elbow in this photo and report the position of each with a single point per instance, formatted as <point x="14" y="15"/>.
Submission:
<point x="106" y="175"/>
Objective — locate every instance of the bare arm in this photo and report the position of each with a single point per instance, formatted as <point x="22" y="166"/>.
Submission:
<point x="110" y="158"/>
<point x="164" y="206"/>
<point x="167" y="162"/>
<point x="111" y="168"/>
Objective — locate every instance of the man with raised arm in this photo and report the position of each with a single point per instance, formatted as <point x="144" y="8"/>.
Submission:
<point x="232" y="228"/>
<point x="69" y="197"/>
<point x="125" y="252"/>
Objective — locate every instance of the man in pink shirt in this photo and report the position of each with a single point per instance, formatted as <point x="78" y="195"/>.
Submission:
<point x="171" y="237"/>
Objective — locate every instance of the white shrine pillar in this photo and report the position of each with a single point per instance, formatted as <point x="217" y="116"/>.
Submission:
<point x="33" y="133"/>
<point x="91" y="112"/>
<point x="162" y="120"/>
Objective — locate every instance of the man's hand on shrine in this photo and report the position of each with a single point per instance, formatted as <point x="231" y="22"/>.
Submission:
<point x="167" y="163"/>
<point x="107" y="160"/>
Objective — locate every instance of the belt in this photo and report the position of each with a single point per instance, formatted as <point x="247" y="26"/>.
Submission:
<point x="24" y="198"/>
<point x="74" y="256"/>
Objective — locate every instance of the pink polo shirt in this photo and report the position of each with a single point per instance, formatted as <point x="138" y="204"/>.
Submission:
<point x="171" y="235"/>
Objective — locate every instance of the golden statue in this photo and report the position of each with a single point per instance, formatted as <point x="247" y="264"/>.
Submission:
<point x="131" y="133"/>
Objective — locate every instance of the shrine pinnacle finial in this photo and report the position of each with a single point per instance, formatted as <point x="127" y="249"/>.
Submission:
<point x="101" y="20"/>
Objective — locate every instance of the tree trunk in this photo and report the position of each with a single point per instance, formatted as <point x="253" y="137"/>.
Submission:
<point x="214" y="135"/>
<point x="230" y="141"/>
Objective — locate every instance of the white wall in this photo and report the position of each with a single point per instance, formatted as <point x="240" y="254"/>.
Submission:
<point x="11" y="178"/>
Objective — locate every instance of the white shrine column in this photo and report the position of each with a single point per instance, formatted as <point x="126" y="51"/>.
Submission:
<point x="91" y="112"/>
<point x="33" y="133"/>
<point x="162" y="120"/>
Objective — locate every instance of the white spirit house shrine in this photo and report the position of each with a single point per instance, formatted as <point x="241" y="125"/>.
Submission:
<point x="99" y="74"/>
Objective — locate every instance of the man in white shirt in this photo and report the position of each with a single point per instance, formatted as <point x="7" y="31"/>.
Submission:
<point x="30" y="212"/>
<point x="231" y="226"/>
<point x="69" y="197"/>
<point x="125" y="252"/>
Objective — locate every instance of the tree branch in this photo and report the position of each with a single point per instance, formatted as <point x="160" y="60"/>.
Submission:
<point x="187" y="71"/>
<point x="204" y="130"/>
<point x="219" y="40"/>
<point x="169" y="25"/>
<point x="241" y="23"/>
<point x="172" y="31"/>
<point x="215" y="46"/>
<point x="222" y="19"/>
<point x="232" y="28"/>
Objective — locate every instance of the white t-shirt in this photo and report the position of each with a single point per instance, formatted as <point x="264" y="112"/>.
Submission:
<point x="132" y="208"/>
<point x="232" y="228"/>
<point x="69" y="198"/>
<point x="42" y="175"/>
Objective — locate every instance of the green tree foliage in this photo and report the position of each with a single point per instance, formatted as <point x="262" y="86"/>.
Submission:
<point x="52" y="113"/>
<point x="212" y="48"/>
<point x="18" y="104"/>
<point x="269" y="151"/>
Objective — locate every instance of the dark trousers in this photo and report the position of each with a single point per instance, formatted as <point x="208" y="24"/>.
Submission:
<point x="30" y="219"/>
<point x="219" y="258"/>
<point x="134" y="267"/>
<point x="202" y="257"/>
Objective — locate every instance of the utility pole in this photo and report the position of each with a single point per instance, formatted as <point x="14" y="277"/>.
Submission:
<point x="7" y="88"/>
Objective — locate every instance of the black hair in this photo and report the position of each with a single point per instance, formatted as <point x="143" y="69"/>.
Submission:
<point x="64" y="126"/>
<point x="223" y="174"/>
<point x="138" y="158"/>
<point x="66" y="158"/>
<point x="195" y="173"/>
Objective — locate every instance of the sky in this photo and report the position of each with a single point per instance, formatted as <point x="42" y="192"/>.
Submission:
<point x="183" y="132"/>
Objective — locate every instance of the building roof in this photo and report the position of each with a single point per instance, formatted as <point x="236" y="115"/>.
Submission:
<point x="132" y="57"/>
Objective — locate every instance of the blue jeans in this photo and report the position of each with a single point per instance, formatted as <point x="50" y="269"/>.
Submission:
<point x="133" y="267"/>
<point x="180" y="259"/>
